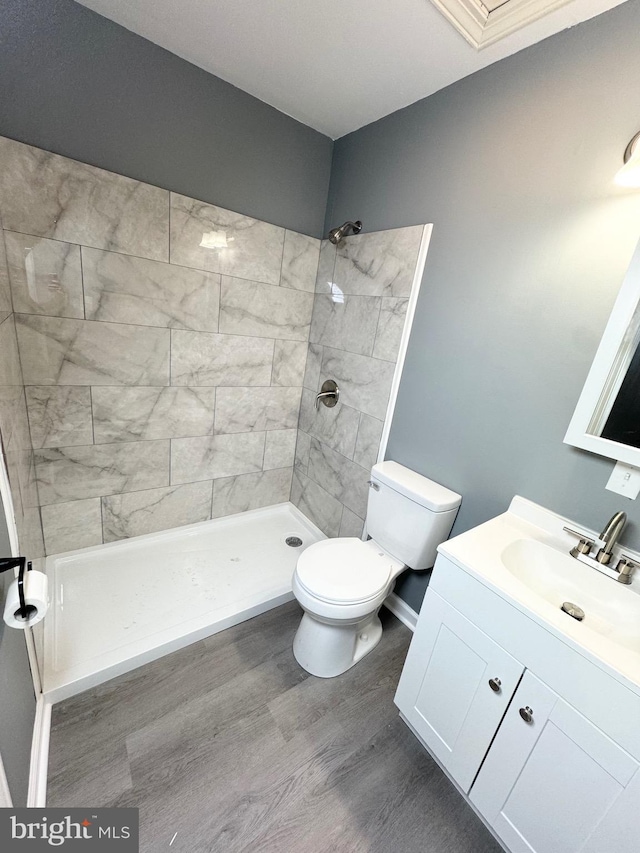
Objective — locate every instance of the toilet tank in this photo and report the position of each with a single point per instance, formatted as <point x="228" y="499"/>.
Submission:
<point x="409" y="515"/>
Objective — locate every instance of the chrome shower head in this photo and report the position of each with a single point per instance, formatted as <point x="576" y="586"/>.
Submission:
<point x="336" y="234"/>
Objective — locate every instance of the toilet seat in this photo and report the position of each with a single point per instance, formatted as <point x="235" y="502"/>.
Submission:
<point x="346" y="571"/>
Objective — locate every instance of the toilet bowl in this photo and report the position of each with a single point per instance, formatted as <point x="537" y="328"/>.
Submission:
<point x="342" y="583"/>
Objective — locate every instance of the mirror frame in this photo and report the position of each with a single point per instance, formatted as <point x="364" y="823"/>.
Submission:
<point x="606" y="372"/>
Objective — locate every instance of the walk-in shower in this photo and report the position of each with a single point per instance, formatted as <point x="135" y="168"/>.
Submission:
<point x="123" y="604"/>
<point x="163" y="447"/>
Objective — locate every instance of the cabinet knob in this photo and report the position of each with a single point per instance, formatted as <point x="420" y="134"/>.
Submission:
<point x="527" y="714"/>
<point x="494" y="684"/>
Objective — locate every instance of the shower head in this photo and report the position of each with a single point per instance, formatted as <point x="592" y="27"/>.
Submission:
<point x="336" y="234"/>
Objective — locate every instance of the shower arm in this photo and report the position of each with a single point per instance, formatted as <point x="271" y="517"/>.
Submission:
<point x="336" y="234"/>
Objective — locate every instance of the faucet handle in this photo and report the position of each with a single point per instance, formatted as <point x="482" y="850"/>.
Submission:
<point x="585" y="543"/>
<point x="625" y="568"/>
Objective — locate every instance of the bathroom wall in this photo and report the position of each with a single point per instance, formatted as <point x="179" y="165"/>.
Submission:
<point x="17" y="698"/>
<point x="360" y="306"/>
<point x="163" y="371"/>
<point x="78" y="84"/>
<point x="14" y="426"/>
<point x="531" y="240"/>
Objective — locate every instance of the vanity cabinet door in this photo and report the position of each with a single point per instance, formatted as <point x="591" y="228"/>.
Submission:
<point x="455" y="686"/>
<point x="554" y="783"/>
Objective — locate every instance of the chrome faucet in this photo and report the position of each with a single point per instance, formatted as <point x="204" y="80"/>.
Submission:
<point x="610" y="535"/>
<point x="606" y="541"/>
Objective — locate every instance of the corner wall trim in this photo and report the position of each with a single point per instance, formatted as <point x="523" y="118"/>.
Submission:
<point x="418" y="275"/>
<point x="407" y="615"/>
<point x="37" y="794"/>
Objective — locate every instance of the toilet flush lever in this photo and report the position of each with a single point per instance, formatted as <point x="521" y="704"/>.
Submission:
<point x="373" y="485"/>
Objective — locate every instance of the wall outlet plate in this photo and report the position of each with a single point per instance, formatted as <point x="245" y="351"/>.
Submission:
<point x="625" y="480"/>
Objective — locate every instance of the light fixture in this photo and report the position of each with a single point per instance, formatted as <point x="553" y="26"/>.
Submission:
<point x="629" y="174"/>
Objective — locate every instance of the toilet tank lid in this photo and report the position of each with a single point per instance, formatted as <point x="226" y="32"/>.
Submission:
<point x="425" y="492"/>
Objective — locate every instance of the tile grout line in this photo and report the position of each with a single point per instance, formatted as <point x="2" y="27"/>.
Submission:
<point x="101" y="499"/>
<point x="84" y="301"/>
<point x="143" y="326"/>
<point x="284" y="242"/>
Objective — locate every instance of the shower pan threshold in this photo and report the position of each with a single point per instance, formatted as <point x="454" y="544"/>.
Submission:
<point x="117" y="606"/>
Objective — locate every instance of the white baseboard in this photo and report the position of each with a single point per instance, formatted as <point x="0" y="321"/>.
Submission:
<point x="37" y="794"/>
<point x="407" y="615"/>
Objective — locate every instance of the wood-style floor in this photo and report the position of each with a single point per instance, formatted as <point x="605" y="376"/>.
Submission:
<point x="232" y="746"/>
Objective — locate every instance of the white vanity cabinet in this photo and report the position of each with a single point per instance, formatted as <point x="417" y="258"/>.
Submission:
<point x="544" y="743"/>
<point x="551" y="779"/>
<point x="455" y="687"/>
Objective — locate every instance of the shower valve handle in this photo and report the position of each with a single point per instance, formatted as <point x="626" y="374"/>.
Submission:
<point x="329" y="394"/>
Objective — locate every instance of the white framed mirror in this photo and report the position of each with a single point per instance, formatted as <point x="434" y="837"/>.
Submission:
<point x="607" y="417"/>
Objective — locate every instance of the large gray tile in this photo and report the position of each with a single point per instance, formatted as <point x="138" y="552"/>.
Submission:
<point x="300" y="261"/>
<point x="123" y="289"/>
<point x="130" y="414"/>
<point x="5" y="288"/>
<point x="303" y="445"/>
<point x="381" y="263"/>
<point x="137" y="513"/>
<point x="326" y="266"/>
<point x="351" y="524"/>
<point x="312" y="368"/>
<point x="76" y="473"/>
<point x="60" y="415"/>
<point x="250" y="491"/>
<point x="279" y="449"/>
<point x="68" y="526"/>
<point x="253" y="308"/>
<point x="345" y="322"/>
<point x="30" y="539"/>
<point x="216" y="456"/>
<point x="199" y="358"/>
<point x="20" y="468"/>
<point x="316" y="503"/>
<point x="56" y="351"/>
<point x="368" y="441"/>
<point x="51" y="196"/>
<point x="393" y="314"/>
<point x="253" y="248"/>
<point x="22" y="482"/>
<point x="46" y="276"/>
<point x="343" y="479"/>
<point x="28" y="485"/>
<point x="256" y="409"/>
<point x="289" y="360"/>
<point x="337" y="426"/>
<point x="365" y="383"/>
<point x="11" y="390"/>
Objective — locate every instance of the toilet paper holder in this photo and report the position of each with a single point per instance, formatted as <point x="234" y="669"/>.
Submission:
<point x="7" y="563"/>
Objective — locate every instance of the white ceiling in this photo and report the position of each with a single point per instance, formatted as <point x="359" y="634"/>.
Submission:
<point x="334" y="65"/>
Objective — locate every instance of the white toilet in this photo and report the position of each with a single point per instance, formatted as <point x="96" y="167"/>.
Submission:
<point x="342" y="583"/>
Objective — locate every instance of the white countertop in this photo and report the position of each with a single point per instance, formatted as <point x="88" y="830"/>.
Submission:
<point x="480" y="552"/>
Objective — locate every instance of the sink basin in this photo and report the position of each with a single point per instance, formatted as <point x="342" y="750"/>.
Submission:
<point x="611" y="609"/>
<point x="523" y="555"/>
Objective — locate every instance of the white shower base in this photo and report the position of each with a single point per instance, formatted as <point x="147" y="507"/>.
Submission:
<point x="117" y="606"/>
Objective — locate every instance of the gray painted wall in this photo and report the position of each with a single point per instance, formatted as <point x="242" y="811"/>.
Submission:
<point x="77" y="84"/>
<point x="17" y="699"/>
<point x="531" y="241"/>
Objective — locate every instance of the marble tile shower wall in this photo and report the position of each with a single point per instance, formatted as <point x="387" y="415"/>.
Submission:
<point x="360" y="307"/>
<point x="14" y="426"/>
<point x="163" y="344"/>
